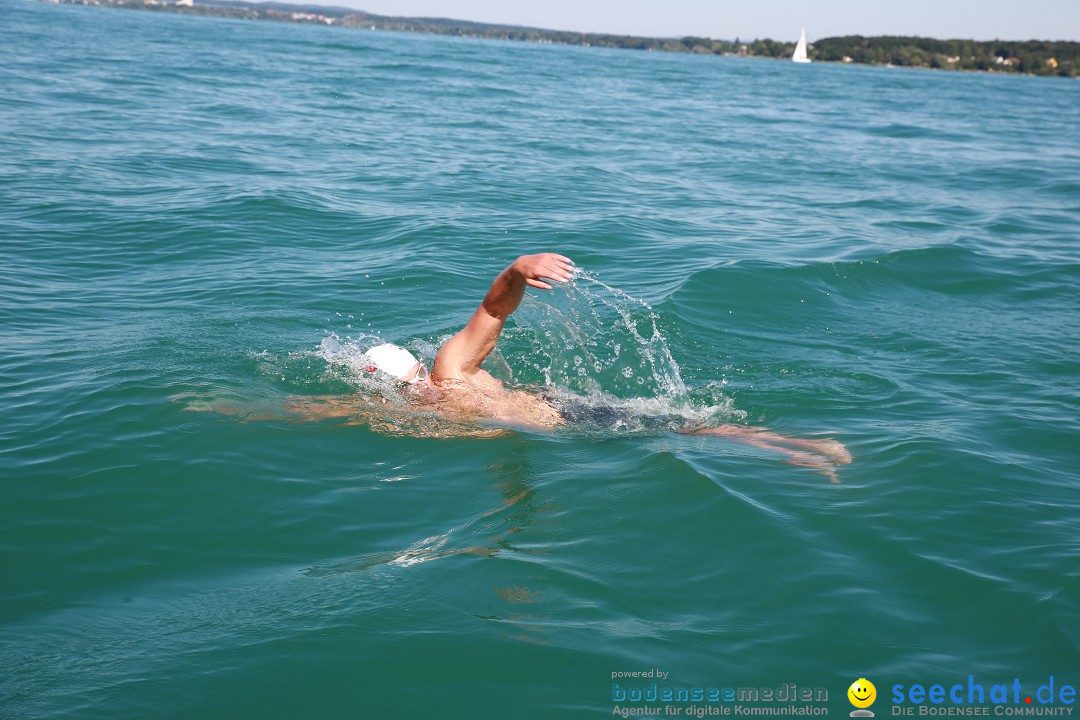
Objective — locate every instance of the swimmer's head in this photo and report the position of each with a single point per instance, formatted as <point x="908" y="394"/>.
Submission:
<point x="397" y="362"/>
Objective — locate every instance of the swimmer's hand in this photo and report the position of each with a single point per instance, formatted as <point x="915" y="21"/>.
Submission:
<point x="545" y="265"/>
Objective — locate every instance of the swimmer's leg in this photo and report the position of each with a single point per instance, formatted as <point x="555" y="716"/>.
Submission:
<point x="832" y="449"/>
<point x="296" y="407"/>
<point x="822" y="455"/>
<point x="324" y="407"/>
<point x="231" y="408"/>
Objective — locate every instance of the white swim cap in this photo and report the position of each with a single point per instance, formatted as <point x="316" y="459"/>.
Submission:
<point x="391" y="359"/>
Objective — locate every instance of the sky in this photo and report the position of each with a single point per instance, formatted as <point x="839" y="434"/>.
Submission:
<point x="748" y="19"/>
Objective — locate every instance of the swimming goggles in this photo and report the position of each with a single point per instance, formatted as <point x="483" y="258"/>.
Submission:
<point x="421" y="374"/>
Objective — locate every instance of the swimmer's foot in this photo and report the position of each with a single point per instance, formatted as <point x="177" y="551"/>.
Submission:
<point x="834" y="451"/>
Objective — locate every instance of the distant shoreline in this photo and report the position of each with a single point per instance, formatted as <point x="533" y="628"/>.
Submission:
<point x="1030" y="57"/>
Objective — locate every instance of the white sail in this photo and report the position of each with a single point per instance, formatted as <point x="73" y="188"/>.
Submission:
<point x="800" y="49"/>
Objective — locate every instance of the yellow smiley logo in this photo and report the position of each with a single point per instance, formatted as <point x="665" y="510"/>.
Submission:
<point x="862" y="693"/>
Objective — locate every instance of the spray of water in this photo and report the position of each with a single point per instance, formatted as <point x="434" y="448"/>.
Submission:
<point x="591" y="338"/>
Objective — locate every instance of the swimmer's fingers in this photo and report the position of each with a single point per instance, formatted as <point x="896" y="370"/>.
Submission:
<point x="538" y="284"/>
<point x="557" y="268"/>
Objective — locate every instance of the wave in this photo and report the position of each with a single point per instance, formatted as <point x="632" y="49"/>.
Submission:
<point x="905" y="131"/>
<point x="948" y="269"/>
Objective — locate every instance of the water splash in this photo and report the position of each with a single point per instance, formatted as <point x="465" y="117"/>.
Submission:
<point x="590" y="338"/>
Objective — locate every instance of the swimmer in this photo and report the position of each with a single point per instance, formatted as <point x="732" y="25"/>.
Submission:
<point x="458" y="389"/>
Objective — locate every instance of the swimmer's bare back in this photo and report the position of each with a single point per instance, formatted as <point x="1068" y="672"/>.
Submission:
<point x="491" y="403"/>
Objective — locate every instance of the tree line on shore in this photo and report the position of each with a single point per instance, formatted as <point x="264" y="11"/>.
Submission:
<point x="1034" y="57"/>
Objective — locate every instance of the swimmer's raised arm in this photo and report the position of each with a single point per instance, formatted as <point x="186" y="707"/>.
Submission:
<point x="462" y="354"/>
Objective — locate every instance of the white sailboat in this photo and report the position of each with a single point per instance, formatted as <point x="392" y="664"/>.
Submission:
<point x="800" y="50"/>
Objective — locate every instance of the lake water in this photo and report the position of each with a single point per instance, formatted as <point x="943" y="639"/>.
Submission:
<point x="196" y="210"/>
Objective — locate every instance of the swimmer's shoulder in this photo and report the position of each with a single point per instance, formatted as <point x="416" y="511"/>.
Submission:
<point x="476" y="381"/>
